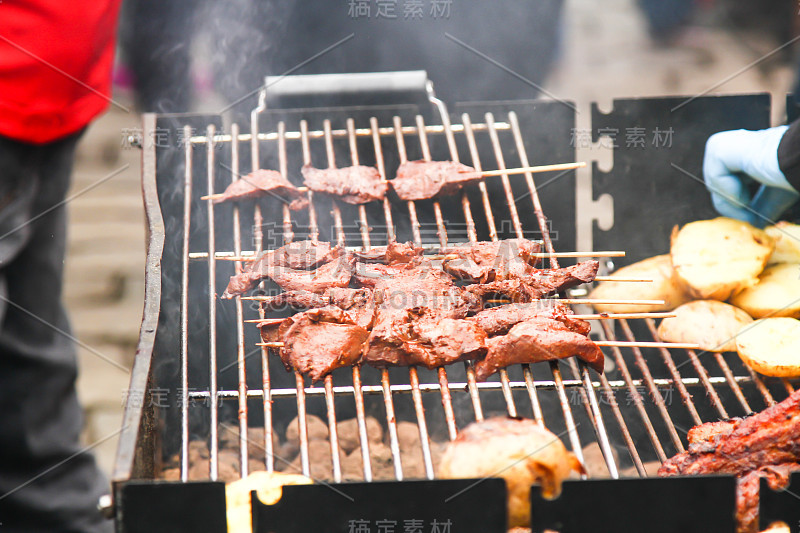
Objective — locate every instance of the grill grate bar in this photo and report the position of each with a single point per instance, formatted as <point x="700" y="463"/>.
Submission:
<point x="653" y="389"/>
<point x="240" y="356"/>
<point x="187" y="218"/>
<point x="202" y="396"/>
<point x="701" y="371"/>
<point x="212" y="316"/>
<point x="339" y="133"/>
<point x="634" y="392"/>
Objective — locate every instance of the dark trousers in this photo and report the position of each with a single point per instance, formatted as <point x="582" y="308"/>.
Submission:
<point x="47" y="482"/>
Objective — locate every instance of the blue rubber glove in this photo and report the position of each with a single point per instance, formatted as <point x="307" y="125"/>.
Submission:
<point x="731" y="158"/>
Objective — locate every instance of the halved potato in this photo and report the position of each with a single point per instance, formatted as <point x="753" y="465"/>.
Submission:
<point x="777" y="293"/>
<point x="719" y="257"/>
<point x="787" y="242"/>
<point x="665" y="286"/>
<point x="771" y="346"/>
<point x="711" y="324"/>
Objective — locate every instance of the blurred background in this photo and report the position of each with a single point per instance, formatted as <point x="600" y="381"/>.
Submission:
<point x="173" y="57"/>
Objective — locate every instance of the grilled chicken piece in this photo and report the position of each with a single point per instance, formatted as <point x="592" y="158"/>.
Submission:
<point x="534" y="340"/>
<point x="318" y="341"/>
<point x="521" y="451"/>
<point x="296" y="255"/>
<point x="422" y="180"/>
<point x="354" y="185"/>
<point x="264" y="183"/>
<point x="483" y="262"/>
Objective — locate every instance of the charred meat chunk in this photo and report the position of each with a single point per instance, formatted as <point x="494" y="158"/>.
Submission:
<point x="760" y="445"/>
<point x="422" y="180"/>
<point x="264" y="182"/>
<point x="354" y="185"/>
<point x="318" y="341"/>
<point x="534" y="340"/>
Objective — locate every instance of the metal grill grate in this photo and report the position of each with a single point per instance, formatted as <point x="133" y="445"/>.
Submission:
<point x="600" y="397"/>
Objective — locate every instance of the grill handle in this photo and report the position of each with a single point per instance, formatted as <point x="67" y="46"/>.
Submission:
<point x="356" y="89"/>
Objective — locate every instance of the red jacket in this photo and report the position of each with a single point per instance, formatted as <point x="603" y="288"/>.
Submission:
<point x="55" y="65"/>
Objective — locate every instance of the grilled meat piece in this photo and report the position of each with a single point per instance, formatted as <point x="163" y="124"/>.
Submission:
<point x="354" y="185"/>
<point x="764" y="444"/>
<point x="359" y="304"/>
<point x="499" y="320"/>
<point x="318" y="341"/>
<point x="336" y="273"/>
<point x="297" y="299"/>
<point x="422" y="180"/>
<point x="394" y="252"/>
<point x="422" y="336"/>
<point x="296" y="255"/>
<point x="537" y="339"/>
<point x="537" y="284"/>
<point x="748" y="488"/>
<point x="768" y="438"/>
<point x="265" y="183"/>
<point x="483" y="262"/>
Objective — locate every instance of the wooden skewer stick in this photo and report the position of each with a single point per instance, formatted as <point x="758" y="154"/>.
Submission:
<point x="596" y="316"/>
<point x="524" y="170"/>
<point x="621" y="344"/>
<point x="612" y="253"/>
<point x="222" y="195"/>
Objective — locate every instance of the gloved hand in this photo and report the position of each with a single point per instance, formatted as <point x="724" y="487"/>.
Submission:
<point x="734" y="157"/>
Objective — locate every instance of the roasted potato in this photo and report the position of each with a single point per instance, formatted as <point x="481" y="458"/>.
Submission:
<point x="665" y="286"/>
<point x="520" y="451"/>
<point x="719" y="257"/>
<point x="269" y="487"/>
<point x="711" y="324"/>
<point x="787" y="242"/>
<point x="771" y="346"/>
<point x="777" y="293"/>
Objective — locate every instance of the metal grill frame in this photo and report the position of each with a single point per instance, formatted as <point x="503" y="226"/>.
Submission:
<point x="139" y="426"/>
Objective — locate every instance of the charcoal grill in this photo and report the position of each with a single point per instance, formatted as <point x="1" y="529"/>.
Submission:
<point x="192" y="337"/>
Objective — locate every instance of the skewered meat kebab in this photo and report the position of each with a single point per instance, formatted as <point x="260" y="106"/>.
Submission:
<point x="290" y="266"/>
<point x="423" y="180"/>
<point x="260" y="183"/>
<point x="764" y="444"/>
<point x="354" y="185"/>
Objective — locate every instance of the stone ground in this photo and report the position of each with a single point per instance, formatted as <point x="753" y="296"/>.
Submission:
<point x="607" y="54"/>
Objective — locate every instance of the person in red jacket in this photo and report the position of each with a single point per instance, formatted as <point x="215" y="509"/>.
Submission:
<point x="55" y="77"/>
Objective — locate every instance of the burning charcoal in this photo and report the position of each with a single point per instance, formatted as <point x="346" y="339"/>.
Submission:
<point x="347" y="431"/>
<point x="422" y="180"/>
<point x="353" y="185"/>
<point x="319" y="453"/>
<point x="317" y="430"/>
